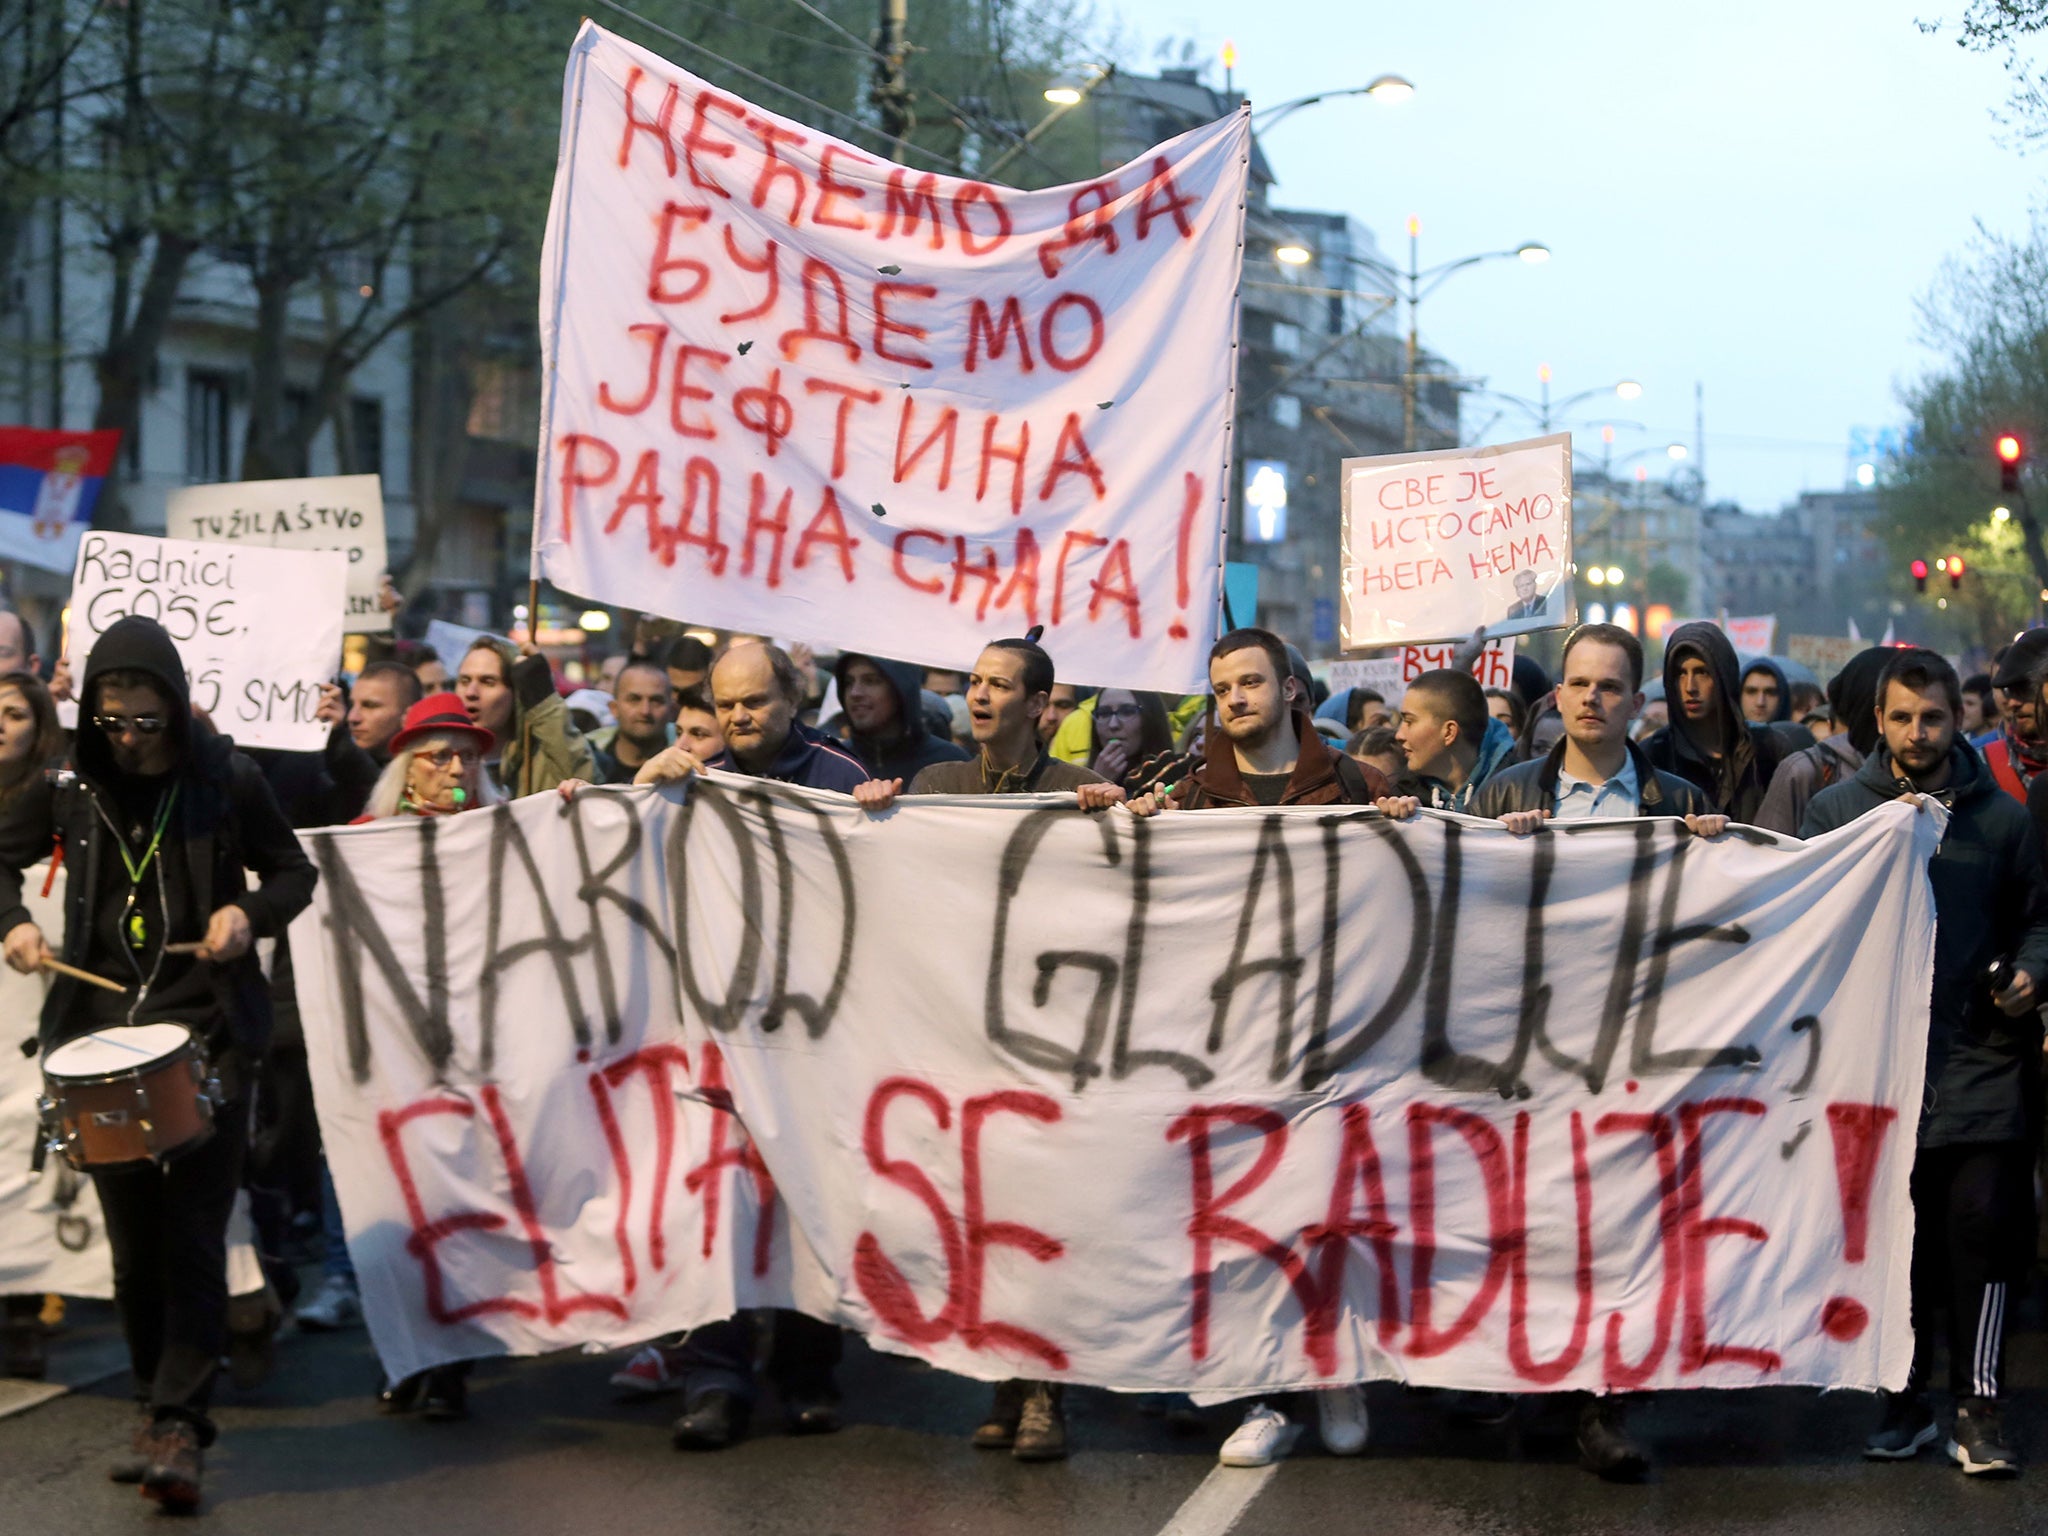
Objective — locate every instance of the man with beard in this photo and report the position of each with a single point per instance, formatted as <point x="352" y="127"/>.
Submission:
<point x="1262" y="749"/>
<point x="1709" y="742"/>
<point x="884" y="705"/>
<point x="1970" y="1170"/>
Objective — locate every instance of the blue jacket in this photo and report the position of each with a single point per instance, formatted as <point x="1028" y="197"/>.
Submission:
<point x="808" y="758"/>
<point x="1496" y="751"/>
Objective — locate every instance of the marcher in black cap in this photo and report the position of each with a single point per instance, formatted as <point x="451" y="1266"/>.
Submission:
<point x="2020" y="750"/>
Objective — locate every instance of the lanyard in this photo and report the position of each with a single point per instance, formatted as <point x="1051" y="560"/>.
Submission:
<point x="137" y="869"/>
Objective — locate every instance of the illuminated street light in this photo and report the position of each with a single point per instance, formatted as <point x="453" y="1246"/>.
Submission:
<point x="2000" y="514"/>
<point x="1596" y="576"/>
<point x="1614" y="576"/>
<point x="1063" y="95"/>
<point x="1533" y="253"/>
<point x="1294" y="255"/>
<point x="1675" y="452"/>
<point x="1628" y="389"/>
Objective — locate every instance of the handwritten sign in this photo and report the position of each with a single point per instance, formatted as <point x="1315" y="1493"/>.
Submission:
<point x="259" y="630"/>
<point x="1389" y="676"/>
<point x="1825" y="654"/>
<point x="344" y="512"/>
<point x="1452" y="1110"/>
<point x="1438" y="544"/>
<point x="786" y="373"/>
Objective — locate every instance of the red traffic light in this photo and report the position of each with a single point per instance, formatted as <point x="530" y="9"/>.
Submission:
<point x="2009" y="448"/>
<point x="1955" y="565"/>
<point x="1919" y="570"/>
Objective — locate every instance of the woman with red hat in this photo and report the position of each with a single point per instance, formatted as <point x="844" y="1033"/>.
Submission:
<point x="436" y="766"/>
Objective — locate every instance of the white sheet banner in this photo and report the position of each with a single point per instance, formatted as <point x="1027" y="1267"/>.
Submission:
<point x="51" y="1235"/>
<point x="782" y="370"/>
<point x="1437" y="544"/>
<point x="259" y="630"/>
<point x="344" y="512"/>
<point x="1227" y="1102"/>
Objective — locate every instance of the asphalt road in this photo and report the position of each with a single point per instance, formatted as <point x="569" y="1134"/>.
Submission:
<point x="547" y="1450"/>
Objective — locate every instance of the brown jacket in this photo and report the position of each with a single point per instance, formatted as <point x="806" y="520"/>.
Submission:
<point x="1321" y="776"/>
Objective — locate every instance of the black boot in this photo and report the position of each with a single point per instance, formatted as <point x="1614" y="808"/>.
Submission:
<point x="711" y="1423"/>
<point x="1606" y="1448"/>
<point x="998" y="1431"/>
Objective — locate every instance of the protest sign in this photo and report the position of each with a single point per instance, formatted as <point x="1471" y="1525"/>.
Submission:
<point x="49" y="484"/>
<point x="783" y="373"/>
<point x="1389" y="676"/>
<point x="1751" y="636"/>
<point x="259" y="630"/>
<point x="1825" y="654"/>
<point x="51" y="1235"/>
<point x="1438" y="544"/>
<point x="344" y="512"/>
<point x="1617" y="1108"/>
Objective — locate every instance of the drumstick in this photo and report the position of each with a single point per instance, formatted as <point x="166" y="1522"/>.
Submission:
<point x="77" y="975"/>
<point x="189" y="947"/>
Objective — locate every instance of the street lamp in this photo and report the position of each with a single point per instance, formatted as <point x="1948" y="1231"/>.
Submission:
<point x="1412" y="287"/>
<point x="1384" y="88"/>
<point x="1544" y="409"/>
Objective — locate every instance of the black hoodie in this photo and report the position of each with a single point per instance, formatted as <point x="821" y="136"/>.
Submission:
<point x="221" y="822"/>
<point x="1776" y="673"/>
<point x="911" y="747"/>
<point x="1733" y="783"/>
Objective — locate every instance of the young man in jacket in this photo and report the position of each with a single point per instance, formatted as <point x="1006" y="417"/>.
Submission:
<point x="160" y="821"/>
<point x="1708" y="741"/>
<point x="1008" y="693"/>
<point x="884" y="706"/>
<point x="1450" y="740"/>
<point x="1970" y="1173"/>
<point x="1263" y="750"/>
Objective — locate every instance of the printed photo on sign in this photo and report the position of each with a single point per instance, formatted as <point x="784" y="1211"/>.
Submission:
<point x="1439" y="544"/>
<point x="259" y="630"/>
<point x="783" y="371"/>
<point x="344" y="512"/>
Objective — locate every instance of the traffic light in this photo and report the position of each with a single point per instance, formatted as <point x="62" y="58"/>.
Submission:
<point x="1920" y="575"/>
<point x="2009" y="455"/>
<point x="1955" y="573"/>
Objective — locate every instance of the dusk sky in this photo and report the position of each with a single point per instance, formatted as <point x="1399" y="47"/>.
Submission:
<point x="1752" y="196"/>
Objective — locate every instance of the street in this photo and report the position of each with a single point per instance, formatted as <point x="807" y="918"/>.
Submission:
<point x="546" y="1449"/>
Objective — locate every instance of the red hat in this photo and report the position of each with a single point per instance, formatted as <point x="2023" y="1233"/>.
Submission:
<point x="439" y="712"/>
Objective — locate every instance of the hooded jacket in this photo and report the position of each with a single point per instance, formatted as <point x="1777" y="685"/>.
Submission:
<point x="807" y="758"/>
<point x="1733" y="783"/>
<point x="1320" y="777"/>
<point x="223" y="823"/>
<point x="912" y="747"/>
<point x="1853" y="695"/>
<point x="541" y="723"/>
<point x="1496" y="751"/>
<point x="1990" y="901"/>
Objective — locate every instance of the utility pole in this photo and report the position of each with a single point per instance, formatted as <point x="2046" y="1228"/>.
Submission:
<point x="891" y="92"/>
<point x="1414" y="296"/>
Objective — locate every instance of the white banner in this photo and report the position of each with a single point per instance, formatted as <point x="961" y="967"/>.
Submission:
<point x="782" y="370"/>
<point x="1437" y="544"/>
<point x="259" y="630"/>
<point x="1389" y="676"/>
<point x="344" y="512"/>
<point x="51" y="1234"/>
<point x="1607" y="1108"/>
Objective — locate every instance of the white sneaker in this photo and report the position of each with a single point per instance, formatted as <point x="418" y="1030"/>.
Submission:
<point x="1340" y="1419"/>
<point x="1263" y="1438"/>
<point x="334" y="1307"/>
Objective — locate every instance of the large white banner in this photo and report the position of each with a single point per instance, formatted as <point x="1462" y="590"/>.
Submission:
<point x="51" y="1235"/>
<point x="259" y="630"/>
<point x="344" y="512"/>
<point x="782" y="370"/>
<point x="1225" y="1101"/>
<point x="1437" y="544"/>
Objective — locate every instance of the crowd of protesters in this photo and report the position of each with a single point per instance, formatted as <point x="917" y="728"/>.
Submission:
<point x="169" y="832"/>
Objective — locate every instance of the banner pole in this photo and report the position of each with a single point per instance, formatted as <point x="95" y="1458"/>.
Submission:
<point x="525" y="716"/>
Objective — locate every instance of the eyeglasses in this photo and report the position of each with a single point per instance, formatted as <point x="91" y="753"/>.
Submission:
<point x="1118" y="712"/>
<point x="120" y="725"/>
<point x="441" y="757"/>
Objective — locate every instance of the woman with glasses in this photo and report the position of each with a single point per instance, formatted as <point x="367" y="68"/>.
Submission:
<point x="1130" y="729"/>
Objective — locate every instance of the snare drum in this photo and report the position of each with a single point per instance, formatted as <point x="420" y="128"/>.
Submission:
<point x="133" y="1093"/>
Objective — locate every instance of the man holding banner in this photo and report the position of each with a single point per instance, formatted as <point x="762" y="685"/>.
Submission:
<point x="1970" y="1194"/>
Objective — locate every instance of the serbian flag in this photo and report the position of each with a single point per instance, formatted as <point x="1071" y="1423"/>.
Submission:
<point x="49" y="482"/>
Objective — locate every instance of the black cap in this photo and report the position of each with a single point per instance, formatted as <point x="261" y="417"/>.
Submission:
<point x="2025" y="660"/>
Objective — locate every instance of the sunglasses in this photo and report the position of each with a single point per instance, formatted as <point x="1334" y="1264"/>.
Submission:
<point x="441" y="757"/>
<point x="141" y="725"/>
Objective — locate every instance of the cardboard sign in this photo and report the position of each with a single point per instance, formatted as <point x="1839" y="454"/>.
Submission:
<point x="1624" y="1110"/>
<point x="344" y="512"/>
<point x="1438" y="544"/>
<point x="784" y="374"/>
<point x="1825" y="654"/>
<point x="1389" y="676"/>
<point x="259" y="630"/>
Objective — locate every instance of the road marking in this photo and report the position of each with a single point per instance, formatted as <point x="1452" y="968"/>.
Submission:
<point x="1220" y="1502"/>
